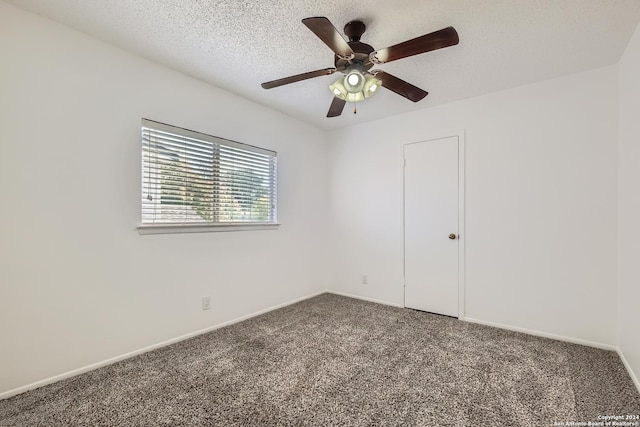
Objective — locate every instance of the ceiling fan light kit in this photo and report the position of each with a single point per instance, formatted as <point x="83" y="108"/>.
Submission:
<point x="354" y="59"/>
<point x="355" y="86"/>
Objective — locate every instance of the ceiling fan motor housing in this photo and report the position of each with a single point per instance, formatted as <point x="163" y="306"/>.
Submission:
<point x="360" y="60"/>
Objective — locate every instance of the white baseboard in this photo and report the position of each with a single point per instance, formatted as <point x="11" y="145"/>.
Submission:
<point x="344" y="294"/>
<point x="543" y="334"/>
<point x="629" y="370"/>
<point x="115" y="359"/>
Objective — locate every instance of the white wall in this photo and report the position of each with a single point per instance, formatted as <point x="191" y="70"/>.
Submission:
<point x="78" y="284"/>
<point x="629" y="205"/>
<point x="541" y="183"/>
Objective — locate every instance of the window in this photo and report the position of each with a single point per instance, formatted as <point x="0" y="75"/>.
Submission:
<point x="194" y="181"/>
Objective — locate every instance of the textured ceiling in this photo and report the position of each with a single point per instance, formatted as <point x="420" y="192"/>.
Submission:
<point x="238" y="44"/>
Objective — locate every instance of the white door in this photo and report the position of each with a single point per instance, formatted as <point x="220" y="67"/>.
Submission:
<point x="431" y="226"/>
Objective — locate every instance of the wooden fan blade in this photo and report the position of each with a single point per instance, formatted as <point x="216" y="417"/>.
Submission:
<point x="399" y="86"/>
<point x="298" y="77"/>
<point x="323" y="28"/>
<point x="432" y="41"/>
<point x="337" y="105"/>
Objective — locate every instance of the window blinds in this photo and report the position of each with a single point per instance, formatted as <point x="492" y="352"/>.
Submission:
<point x="193" y="178"/>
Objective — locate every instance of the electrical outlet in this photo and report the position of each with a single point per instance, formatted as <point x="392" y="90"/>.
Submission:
<point x="365" y="279"/>
<point x="206" y="303"/>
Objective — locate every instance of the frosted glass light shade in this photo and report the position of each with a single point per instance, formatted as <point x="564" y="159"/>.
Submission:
<point x="354" y="81"/>
<point x="371" y="85"/>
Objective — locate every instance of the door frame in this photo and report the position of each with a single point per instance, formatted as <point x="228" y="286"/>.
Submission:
<point x="460" y="135"/>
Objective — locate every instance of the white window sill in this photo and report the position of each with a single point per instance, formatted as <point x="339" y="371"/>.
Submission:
<point x="201" y="228"/>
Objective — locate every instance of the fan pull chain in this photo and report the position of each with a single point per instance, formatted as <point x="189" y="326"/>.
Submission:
<point x="355" y="107"/>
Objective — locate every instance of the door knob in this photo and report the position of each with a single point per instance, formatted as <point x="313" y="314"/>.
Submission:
<point x="452" y="236"/>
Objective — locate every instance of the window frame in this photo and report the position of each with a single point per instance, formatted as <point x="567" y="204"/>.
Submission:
<point x="212" y="226"/>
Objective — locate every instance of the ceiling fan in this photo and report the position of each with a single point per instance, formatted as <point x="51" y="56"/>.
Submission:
<point x="355" y="59"/>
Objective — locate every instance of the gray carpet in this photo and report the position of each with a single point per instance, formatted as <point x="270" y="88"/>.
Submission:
<point x="333" y="361"/>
